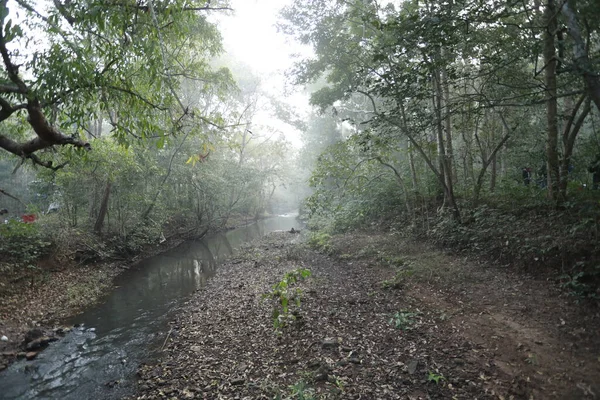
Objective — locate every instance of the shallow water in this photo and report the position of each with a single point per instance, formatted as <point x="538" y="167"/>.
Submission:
<point x="99" y="359"/>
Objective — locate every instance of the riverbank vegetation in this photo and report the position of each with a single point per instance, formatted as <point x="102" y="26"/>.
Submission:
<point x="475" y="127"/>
<point x="124" y="126"/>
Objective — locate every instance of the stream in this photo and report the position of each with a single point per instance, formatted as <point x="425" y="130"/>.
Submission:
<point x="99" y="358"/>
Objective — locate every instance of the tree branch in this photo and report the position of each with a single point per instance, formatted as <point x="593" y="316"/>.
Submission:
<point x="47" y="135"/>
<point x="146" y="8"/>
<point x="11" y="196"/>
<point x="9" y="88"/>
<point x="63" y="11"/>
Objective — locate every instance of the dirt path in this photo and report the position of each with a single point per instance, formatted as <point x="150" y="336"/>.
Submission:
<point x="381" y="318"/>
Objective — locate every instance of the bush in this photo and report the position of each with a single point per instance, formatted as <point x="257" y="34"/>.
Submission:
<point x="320" y="241"/>
<point x="22" y="243"/>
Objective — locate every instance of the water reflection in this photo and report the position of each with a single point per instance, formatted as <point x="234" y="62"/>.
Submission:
<point x="99" y="360"/>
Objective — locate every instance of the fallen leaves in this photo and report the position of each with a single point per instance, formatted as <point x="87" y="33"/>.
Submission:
<point x="343" y="346"/>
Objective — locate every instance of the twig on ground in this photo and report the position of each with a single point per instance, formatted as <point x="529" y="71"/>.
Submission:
<point x="167" y="338"/>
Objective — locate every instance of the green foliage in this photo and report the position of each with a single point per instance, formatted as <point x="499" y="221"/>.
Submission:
<point x="301" y="391"/>
<point x="21" y="243"/>
<point x="436" y="378"/>
<point x="531" y="359"/>
<point x="320" y="241"/>
<point x="583" y="284"/>
<point x="403" y="320"/>
<point x="113" y="57"/>
<point x="351" y="188"/>
<point x="285" y="295"/>
<point x="378" y="68"/>
<point x="138" y="236"/>
<point x="399" y="279"/>
<point x="393" y="261"/>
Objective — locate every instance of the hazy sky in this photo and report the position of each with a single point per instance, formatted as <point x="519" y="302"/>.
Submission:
<point x="250" y="36"/>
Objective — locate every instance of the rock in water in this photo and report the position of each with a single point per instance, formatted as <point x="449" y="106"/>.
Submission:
<point x="33" y="334"/>
<point x="38" y="343"/>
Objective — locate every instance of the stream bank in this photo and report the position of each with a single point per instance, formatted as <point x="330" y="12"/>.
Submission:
<point x="61" y="290"/>
<point x="41" y="307"/>
<point x="380" y="317"/>
<point x="99" y="358"/>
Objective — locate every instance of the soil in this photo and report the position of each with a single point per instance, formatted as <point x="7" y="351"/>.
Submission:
<point x="381" y="317"/>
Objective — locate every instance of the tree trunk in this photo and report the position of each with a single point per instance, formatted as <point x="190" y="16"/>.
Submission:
<point x="437" y="105"/>
<point x="103" y="208"/>
<point x="582" y="61"/>
<point x="409" y="209"/>
<point x="551" y="102"/>
<point x="493" y="174"/>
<point x="445" y="167"/>
<point x="570" y="131"/>
<point x="413" y="170"/>
<point x="99" y="123"/>
<point x="451" y="175"/>
<point x="161" y="187"/>
<point x="485" y="160"/>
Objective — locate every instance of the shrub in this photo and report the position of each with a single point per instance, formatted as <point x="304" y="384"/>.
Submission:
<point x="22" y="243"/>
<point x="320" y="241"/>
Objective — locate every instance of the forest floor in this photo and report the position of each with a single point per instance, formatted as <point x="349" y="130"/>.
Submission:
<point x="381" y="317"/>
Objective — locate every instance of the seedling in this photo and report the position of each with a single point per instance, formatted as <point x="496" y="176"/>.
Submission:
<point x="433" y="377"/>
<point x="283" y="294"/>
<point x="403" y="320"/>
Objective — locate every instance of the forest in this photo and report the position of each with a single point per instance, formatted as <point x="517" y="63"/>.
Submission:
<point x="446" y="150"/>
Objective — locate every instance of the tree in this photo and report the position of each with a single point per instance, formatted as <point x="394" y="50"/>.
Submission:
<point x="426" y="68"/>
<point x="71" y="60"/>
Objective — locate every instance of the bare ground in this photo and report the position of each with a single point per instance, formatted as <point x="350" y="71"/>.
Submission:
<point x="381" y="317"/>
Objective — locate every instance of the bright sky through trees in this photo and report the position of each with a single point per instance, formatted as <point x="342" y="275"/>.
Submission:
<point x="251" y="36"/>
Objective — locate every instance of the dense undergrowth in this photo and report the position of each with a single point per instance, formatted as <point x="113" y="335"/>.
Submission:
<point x="33" y="250"/>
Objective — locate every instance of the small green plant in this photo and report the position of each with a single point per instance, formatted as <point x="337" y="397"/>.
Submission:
<point x="392" y="261"/>
<point x="403" y="320"/>
<point x="284" y="295"/>
<point x="320" y="241"/>
<point x="583" y="284"/>
<point x="22" y="242"/>
<point x="301" y="391"/>
<point x="398" y="280"/>
<point x="531" y="359"/>
<point x="433" y="377"/>
<point x="339" y="383"/>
